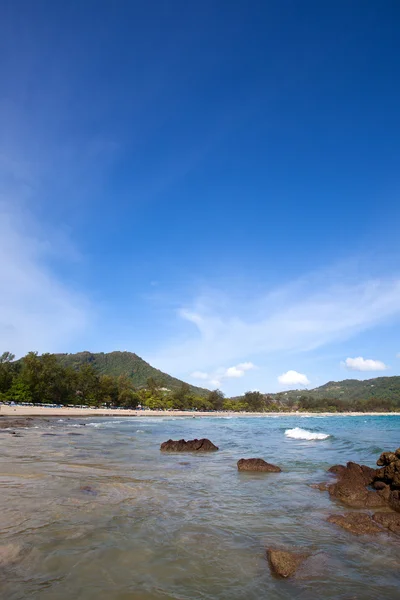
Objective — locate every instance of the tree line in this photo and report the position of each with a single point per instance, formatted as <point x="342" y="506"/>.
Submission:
<point x="42" y="379"/>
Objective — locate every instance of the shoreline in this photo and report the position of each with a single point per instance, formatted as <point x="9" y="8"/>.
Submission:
<point x="40" y="411"/>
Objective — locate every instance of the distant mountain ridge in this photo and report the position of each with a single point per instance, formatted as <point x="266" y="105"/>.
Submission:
<point x="385" y="388"/>
<point x="125" y="363"/>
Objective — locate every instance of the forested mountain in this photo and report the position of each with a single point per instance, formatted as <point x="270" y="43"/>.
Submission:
<point x="125" y="363"/>
<point x="378" y="388"/>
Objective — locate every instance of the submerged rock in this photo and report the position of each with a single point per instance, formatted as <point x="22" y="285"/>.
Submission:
<point x="9" y="554"/>
<point x="322" y="487"/>
<point x="390" y="521"/>
<point x="88" y="489"/>
<point x="257" y="464"/>
<point x="357" y="523"/>
<point x="284" y="563"/>
<point x="203" y="445"/>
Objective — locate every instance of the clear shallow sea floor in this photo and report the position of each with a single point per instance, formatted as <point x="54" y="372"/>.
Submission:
<point x="96" y="512"/>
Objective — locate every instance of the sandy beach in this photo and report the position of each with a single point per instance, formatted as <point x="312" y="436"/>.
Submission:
<point x="41" y="411"/>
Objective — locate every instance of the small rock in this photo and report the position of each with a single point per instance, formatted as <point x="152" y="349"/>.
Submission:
<point x="357" y="523"/>
<point x="284" y="563"/>
<point x="203" y="445"/>
<point x="322" y="487"/>
<point x="257" y="464"/>
<point x="88" y="489"/>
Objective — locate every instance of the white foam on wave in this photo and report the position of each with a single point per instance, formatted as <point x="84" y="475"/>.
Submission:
<point x="302" y="434"/>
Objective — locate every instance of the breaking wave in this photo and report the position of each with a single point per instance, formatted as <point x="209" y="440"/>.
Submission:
<point x="302" y="434"/>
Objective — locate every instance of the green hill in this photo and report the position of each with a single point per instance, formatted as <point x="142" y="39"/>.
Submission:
<point x="380" y="388"/>
<point x="127" y="363"/>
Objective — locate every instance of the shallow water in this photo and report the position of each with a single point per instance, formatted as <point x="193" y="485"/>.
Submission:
<point x="105" y="515"/>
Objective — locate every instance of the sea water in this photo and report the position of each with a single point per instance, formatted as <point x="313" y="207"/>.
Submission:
<point x="97" y="512"/>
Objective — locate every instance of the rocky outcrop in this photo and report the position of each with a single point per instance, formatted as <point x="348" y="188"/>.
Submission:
<point x="386" y="480"/>
<point x="203" y="445"/>
<point x="363" y="523"/>
<point x="357" y="523"/>
<point x="257" y="464"/>
<point x="351" y="487"/>
<point x="284" y="563"/>
<point x="390" y="521"/>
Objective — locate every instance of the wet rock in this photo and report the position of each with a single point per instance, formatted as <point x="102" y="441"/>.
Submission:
<point x="390" y="521"/>
<point x="257" y="464"/>
<point x="394" y="500"/>
<point x="351" y="487"/>
<point x="386" y="458"/>
<point x="322" y="487"/>
<point x="337" y="469"/>
<point x="88" y="489"/>
<point x="387" y="478"/>
<point x="284" y="563"/>
<point x="203" y="445"/>
<point x="357" y="523"/>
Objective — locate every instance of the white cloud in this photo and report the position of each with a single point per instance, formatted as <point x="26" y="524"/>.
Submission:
<point x="37" y="311"/>
<point x="364" y="364"/>
<point x="306" y="315"/>
<point x="293" y="378"/>
<point x="199" y="375"/>
<point x="215" y="378"/>
<point x="239" y="370"/>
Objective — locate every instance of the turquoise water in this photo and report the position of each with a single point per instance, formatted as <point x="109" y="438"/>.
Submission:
<point x="104" y="515"/>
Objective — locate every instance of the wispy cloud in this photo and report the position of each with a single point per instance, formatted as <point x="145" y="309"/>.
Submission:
<point x="297" y="318"/>
<point x="220" y="374"/>
<point x="37" y="312"/>
<point x="364" y="364"/>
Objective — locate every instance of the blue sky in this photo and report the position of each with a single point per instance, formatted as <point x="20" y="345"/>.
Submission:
<point x="214" y="186"/>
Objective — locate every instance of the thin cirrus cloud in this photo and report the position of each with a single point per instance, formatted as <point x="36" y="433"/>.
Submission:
<point x="300" y="317"/>
<point x="216" y="377"/>
<point x="364" y="364"/>
<point x="293" y="378"/>
<point x="37" y="312"/>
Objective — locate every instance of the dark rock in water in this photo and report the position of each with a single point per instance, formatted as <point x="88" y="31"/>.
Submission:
<point x="88" y="489"/>
<point x="203" y="445"/>
<point x="357" y="523"/>
<point x="257" y="464"/>
<point x="386" y="458"/>
<point x="390" y="521"/>
<point x="322" y="487"/>
<point x="74" y="433"/>
<point x="351" y="487"/>
<point x="337" y="469"/>
<point x="353" y="482"/>
<point x="394" y="500"/>
<point x="284" y="563"/>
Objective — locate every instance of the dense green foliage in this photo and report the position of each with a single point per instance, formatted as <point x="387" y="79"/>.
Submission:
<point x="99" y="380"/>
<point x="46" y="379"/>
<point x="129" y="364"/>
<point x="380" y="394"/>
